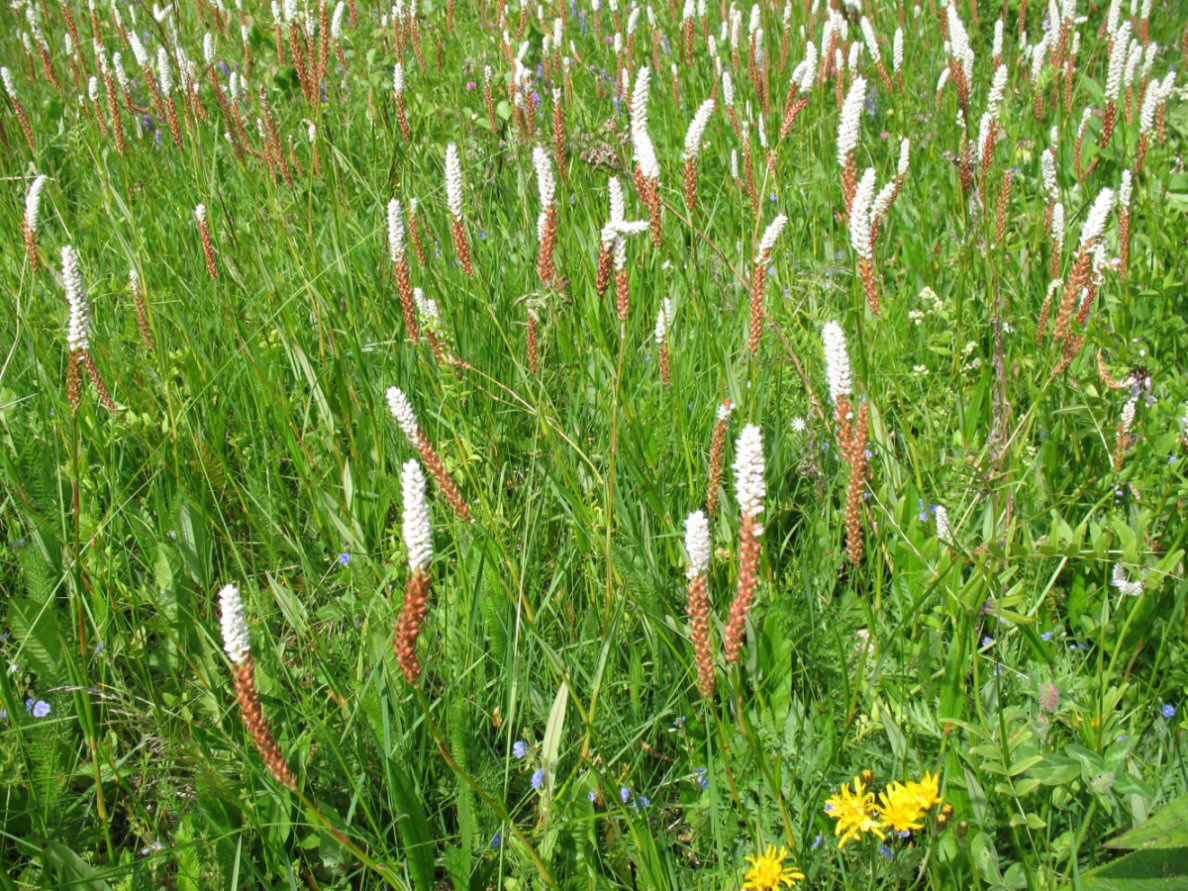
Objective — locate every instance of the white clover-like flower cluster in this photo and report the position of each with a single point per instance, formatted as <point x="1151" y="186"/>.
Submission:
<point x="398" y="77"/>
<point x="1048" y="171"/>
<point x="1058" y="224"/>
<point x="750" y="487"/>
<point x="1124" y="189"/>
<point x="237" y="638"/>
<point x="641" y="140"/>
<point x="1117" y="63"/>
<point x="93" y="89"/>
<point x="208" y="48"/>
<point x="427" y="307"/>
<point x="33" y="201"/>
<point x="134" y="280"/>
<point x="959" y="42"/>
<point x="897" y="50"/>
<point x="396" y="244"/>
<point x="1120" y="580"/>
<point x="1128" y="411"/>
<point x="404" y="414"/>
<point x="200" y="214"/>
<point x="837" y="360"/>
<point x="770" y="235"/>
<point x="164" y="72"/>
<point x="725" y="410"/>
<point x="9" y="83"/>
<point x="860" y="215"/>
<point x="1096" y="220"/>
<point x="727" y="90"/>
<point x="869" y="38"/>
<point x="882" y="202"/>
<point x="663" y="321"/>
<point x="696" y="132"/>
<point x="78" y="326"/>
<point x="546" y="183"/>
<point x="848" y="126"/>
<point x="943" y="530"/>
<point x="138" y="51"/>
<point x="999" y="33"/>
<point x="337" y="18"/>
<point x="905" y="157"/>
<point x="418" y="535"/>
<point x="453" y="181"/>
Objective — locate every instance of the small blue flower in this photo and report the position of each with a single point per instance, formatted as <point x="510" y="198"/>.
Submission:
<point x="886" y="852"/>
<point x="592" y="795"/>
<point x="1168" y="711"/>
<point x="773" y="197"/>
<point x="828" y="808"/>
<point x="1048" y="635"/>
<point x="987" y="641"/>
<point x="41" y="708"/>
<point x="538" y="779"/>
<point x="345" y="558"/>
<point x="519" y="748"/>
<point x="497" y="839"/>
<point x="817" y="841"/>
<point x="624" y="795"/>
<point x="482" y="235"/>
<point x="923" y="511"/>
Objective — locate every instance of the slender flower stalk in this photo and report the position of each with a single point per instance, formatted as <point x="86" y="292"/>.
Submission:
<point x="717" y="455"/>
<point x="693" y="139"/>
<point x="546" y="224"/>
<point x="32" y="212"/>
<point x="560" y="152"/>
<point x="663" y="322"/>
<point x="848" y="131"/>
<point x="1124" y="193"/>
<point x="759" y="278"/>
<point x="406" y="418"/>
<point x="1078" y="281"/>
<point x="401" y="110"/>
<point x="207" y="244"/>
<point x="142" y="321"/>
<point x="18" y="109"/>
<point x="750" y="489"/>
<point x="698" y="547"/>
<point x="453" y="179"/>
<point x="238" y="646"/>
<point x="616" y="235"/>
<point x="1114" y="73"/>
<point x="78" y="332"/>
<point x="862" y="239"/>
<point x="418" y="540"/>
<point x="396" y="249"/>
<point x="851" y="431"/>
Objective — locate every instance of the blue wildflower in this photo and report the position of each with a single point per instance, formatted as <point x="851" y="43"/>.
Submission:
<point x="538" y="779"/>
<point x="345" y="558"/>
<point x="497" y="839"/>
<point x="987" y="641"/>
<point x="1168" y="711"/>
<point x="886" y="852"/>
<point x="41" y="708"/>
<point x="592" y="795"/>
<point x="519" y="748"/>
<point x="817" y="841"/>
<point x="624" y="795"/>
<point x="1048" y="635"/>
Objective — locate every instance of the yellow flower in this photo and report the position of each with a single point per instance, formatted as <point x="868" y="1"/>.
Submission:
<point x="852" y="810"/>
<point x="899" y="809"/>
<point x="927" y="791"/>
<point x="768" y="873"/>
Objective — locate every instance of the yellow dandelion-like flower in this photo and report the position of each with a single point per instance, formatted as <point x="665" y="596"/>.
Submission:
<point x="853" y="812"/>
<point x="926" y="792"/>
<point x="768" y="873"/>
<point x="899" y="809"/>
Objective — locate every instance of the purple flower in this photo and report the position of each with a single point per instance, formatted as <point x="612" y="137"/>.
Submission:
<point x="987" y="641"/>
<point x="538" y="779"/>
<point x="817" y="841"/>
<point x="471" y="85"/>
<point x="519" y="748"/>
<point x="345" y="558"/>
<point x="41" y="708"/>
<point x="624" y="795"/>
<point x="592" y="795"/>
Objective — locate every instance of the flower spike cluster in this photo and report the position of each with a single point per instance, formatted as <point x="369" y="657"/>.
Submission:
<point x="406" y="418"/>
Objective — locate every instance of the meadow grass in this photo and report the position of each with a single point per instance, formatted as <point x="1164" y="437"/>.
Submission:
<point x="965" y="557"/>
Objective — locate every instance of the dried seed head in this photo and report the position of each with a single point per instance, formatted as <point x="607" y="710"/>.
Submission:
<point x="418" y="535"/>
<point x="237" y="639"/>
